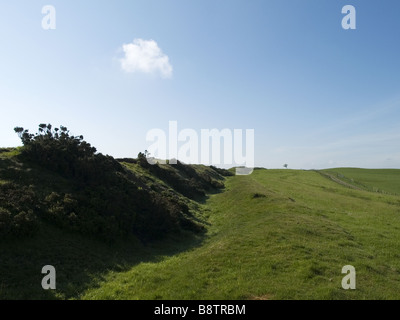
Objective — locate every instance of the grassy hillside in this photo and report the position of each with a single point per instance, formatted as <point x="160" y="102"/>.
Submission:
<point x="377" y="180"/>
<point x="275" y="234"/>
<point x="85" y="228"/>
<point x="278" y="234"/>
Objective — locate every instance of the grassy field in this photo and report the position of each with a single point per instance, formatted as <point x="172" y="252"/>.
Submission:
<point x="278" y="234"/>
<point x="377" y="180"/>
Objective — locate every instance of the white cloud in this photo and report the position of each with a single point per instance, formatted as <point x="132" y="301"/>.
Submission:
<point x="145" y="56"/>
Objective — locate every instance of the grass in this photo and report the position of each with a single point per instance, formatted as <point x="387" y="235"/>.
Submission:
<point x="289" y="243"/>
<point x="9" y="152"/>
<point x="276" y="234"/>
<point x="377" y="180"/>
<point x="80" y="262"/>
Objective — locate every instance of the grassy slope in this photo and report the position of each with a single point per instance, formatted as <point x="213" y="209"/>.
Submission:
<point x="290" y="244"/>
<point x="80" y="261"/>
<point x="378" y="180"/>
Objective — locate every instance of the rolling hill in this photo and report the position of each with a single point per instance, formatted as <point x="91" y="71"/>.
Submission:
<point x="376" y="180"/>
<point x="278" y="234"/>
<point x="275" y="234"/>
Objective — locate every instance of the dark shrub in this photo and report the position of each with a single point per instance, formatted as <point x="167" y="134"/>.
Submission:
<point x="95" y="195"/>
<point x="258" y="195"/>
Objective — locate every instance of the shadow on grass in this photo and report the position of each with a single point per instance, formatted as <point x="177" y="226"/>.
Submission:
<point x="80" y="262"/>
<point x="203" y="200"/>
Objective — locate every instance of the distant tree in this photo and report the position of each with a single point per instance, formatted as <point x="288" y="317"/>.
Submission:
<point x="285" y="165"/>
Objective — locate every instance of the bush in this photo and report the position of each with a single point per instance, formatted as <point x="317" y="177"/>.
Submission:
<point x="63" y="153"/>
<point x="185" y="179"/>
<point x="97" y="196"/>
<point x="20" y="224"/>
<point x="5" y="223"/>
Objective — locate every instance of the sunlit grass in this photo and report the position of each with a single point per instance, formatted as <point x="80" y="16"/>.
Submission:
<point x="376" y="180"/>
<point x="290" y="244"/>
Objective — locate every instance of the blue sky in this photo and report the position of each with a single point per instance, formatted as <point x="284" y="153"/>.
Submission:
<point x="317" y="96"/>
